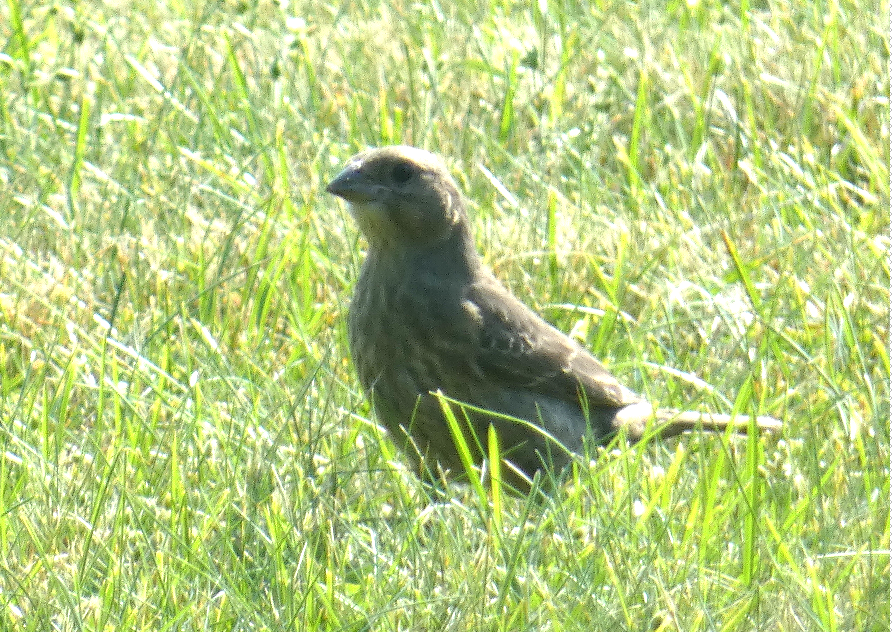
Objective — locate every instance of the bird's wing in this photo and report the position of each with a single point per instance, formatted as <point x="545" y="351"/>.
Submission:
<point x="521" y="350"/>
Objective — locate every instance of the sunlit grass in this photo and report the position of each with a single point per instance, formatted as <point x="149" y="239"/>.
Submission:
<point x="697" y="191"/>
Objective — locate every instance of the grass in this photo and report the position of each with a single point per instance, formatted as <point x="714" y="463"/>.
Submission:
<point x="698" y="191"/>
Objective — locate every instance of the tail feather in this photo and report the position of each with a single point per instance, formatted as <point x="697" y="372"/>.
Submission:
<point x="634" y="419"/>
<point x="717" y="422"/>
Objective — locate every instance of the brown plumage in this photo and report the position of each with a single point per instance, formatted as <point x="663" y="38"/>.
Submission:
<point x="427" y="315"/>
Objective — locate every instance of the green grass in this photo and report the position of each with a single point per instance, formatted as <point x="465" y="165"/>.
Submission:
<point x="698" y="191"/>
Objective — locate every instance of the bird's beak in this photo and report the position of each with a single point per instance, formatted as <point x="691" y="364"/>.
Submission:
<point x="352" y="186"/>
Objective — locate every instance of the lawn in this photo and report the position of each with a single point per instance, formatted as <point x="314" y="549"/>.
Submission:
<point x="698" y="192"/>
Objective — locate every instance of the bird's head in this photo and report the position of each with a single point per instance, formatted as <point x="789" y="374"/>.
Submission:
<point x="400" y="196"/>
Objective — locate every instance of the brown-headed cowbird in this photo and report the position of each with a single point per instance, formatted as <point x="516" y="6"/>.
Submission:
<point x="427" y="315"/>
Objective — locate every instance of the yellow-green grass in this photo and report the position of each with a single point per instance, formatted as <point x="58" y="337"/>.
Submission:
<point x="698" y="191"/>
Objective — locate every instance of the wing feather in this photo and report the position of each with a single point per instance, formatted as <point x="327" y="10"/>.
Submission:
<point x="522" y="351"/>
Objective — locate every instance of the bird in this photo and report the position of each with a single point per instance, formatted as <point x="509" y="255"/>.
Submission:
<point x="429" y="321"/>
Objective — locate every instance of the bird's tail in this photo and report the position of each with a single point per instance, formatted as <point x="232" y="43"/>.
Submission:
<point x="673" y="422"/>
<point x="636" y="419"/>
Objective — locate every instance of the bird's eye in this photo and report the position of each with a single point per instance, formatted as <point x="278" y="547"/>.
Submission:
<point x="402" y="173"/>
